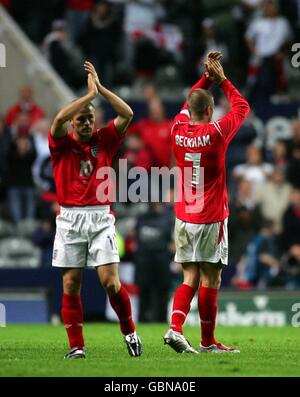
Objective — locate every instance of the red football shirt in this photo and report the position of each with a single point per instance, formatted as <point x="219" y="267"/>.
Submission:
<point x="79" y="173"/>
<point x="200" y="151"/>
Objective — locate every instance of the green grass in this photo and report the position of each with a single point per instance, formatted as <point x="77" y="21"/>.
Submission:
<point x="37" y="350"/>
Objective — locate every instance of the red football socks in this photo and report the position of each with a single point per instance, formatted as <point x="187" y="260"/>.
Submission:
<point x="72" y="315"/>
<point x="181" y="306"/>
<point x="207" y="305"/>
<point x="120" y="302"/>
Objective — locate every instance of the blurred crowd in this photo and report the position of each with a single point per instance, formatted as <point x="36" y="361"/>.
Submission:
<point x="166" y="40"/>
<point x="263" y="184"/>
<point x="128" y="40"/>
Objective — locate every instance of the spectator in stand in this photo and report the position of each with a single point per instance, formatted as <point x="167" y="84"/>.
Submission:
<point x="290" y="238"/>
<point x="39" y="133"/>
<point x="153" y="232"/>
<point x="280" y="154"/>
<point x="25" y="105"/>
<point x="136" y="153"/>
<point x="63" y="55"/>
<point x="141" y="16"/>
<point x="140" y="50"/>
<point x="244" y="195"/>
<point x="19" y="180"/>
<point x="155" y="132"/>
<point x="291" y="222"/>
<point x="21" y="125"/>
<point x="293" y="167"/>
<point x="44" y="235"/>
<point x="254" y="170"/>
<point x="260" y="265"/>
<point x="267" y="37"/>
<point x="210" y="40"/>
<point x="243" y="12"/>
<point x="244" y="222"/>
<point x="77" y="13"/>
<point x="99" y="39"/>
<point x="273" y="198"/>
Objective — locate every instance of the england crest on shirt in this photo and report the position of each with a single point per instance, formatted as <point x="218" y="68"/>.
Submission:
<point x="94" y="150"/>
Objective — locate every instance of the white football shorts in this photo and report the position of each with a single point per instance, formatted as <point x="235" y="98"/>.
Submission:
<point x="201" y="242"/>
<point x="85" y="236"/>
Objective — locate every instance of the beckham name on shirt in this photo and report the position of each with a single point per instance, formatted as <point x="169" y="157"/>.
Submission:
<point x="196" y="141"/>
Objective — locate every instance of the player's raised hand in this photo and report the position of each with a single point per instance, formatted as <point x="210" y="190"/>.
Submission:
<point x="92" y="86"/>
<point x="217" y="55"/>
<point x="89" y="68"/>
<point x="215" y="71"/>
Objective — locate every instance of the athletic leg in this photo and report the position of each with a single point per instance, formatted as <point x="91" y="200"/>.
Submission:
<point x="207" y="300"/>
<point x="118" y="296"/>
<point x="184" y="295"/>
<point x="120" y="302"/>
<point x="181" y="307"/>
<point x="72" y="311"/>
<point x="207" y="305"/>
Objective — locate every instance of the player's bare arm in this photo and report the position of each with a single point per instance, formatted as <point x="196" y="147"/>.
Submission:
<point x="124" y="111"/>
<point x="59" y="125"/>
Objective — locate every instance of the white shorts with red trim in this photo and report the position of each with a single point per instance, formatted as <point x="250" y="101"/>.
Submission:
<point x="201" y="242"/>
<point x="85" y="236"/>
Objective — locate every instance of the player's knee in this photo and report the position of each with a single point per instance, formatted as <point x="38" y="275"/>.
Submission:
<point x="71" y="286"/>
<point x="217" y="282"/>
<point x="111" y="285"/>
<point x="194" y="283"/>
<point x="212" y="282"/>
<point x="192" y="280"/>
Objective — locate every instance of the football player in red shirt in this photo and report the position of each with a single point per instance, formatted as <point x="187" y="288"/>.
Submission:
<point x="85" y="233"/>
<point x="200" y="146"/>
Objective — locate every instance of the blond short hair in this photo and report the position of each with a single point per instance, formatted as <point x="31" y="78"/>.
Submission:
<point x="198" y="101"/>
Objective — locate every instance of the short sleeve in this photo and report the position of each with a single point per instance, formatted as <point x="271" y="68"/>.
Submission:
<point x="110" y="138"/>
<point x="57" y="145"/>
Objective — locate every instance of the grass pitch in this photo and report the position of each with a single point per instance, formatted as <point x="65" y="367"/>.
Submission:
<point x="37" y="350"/>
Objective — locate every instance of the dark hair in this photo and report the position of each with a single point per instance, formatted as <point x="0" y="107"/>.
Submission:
<point x="198" y="101"/>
